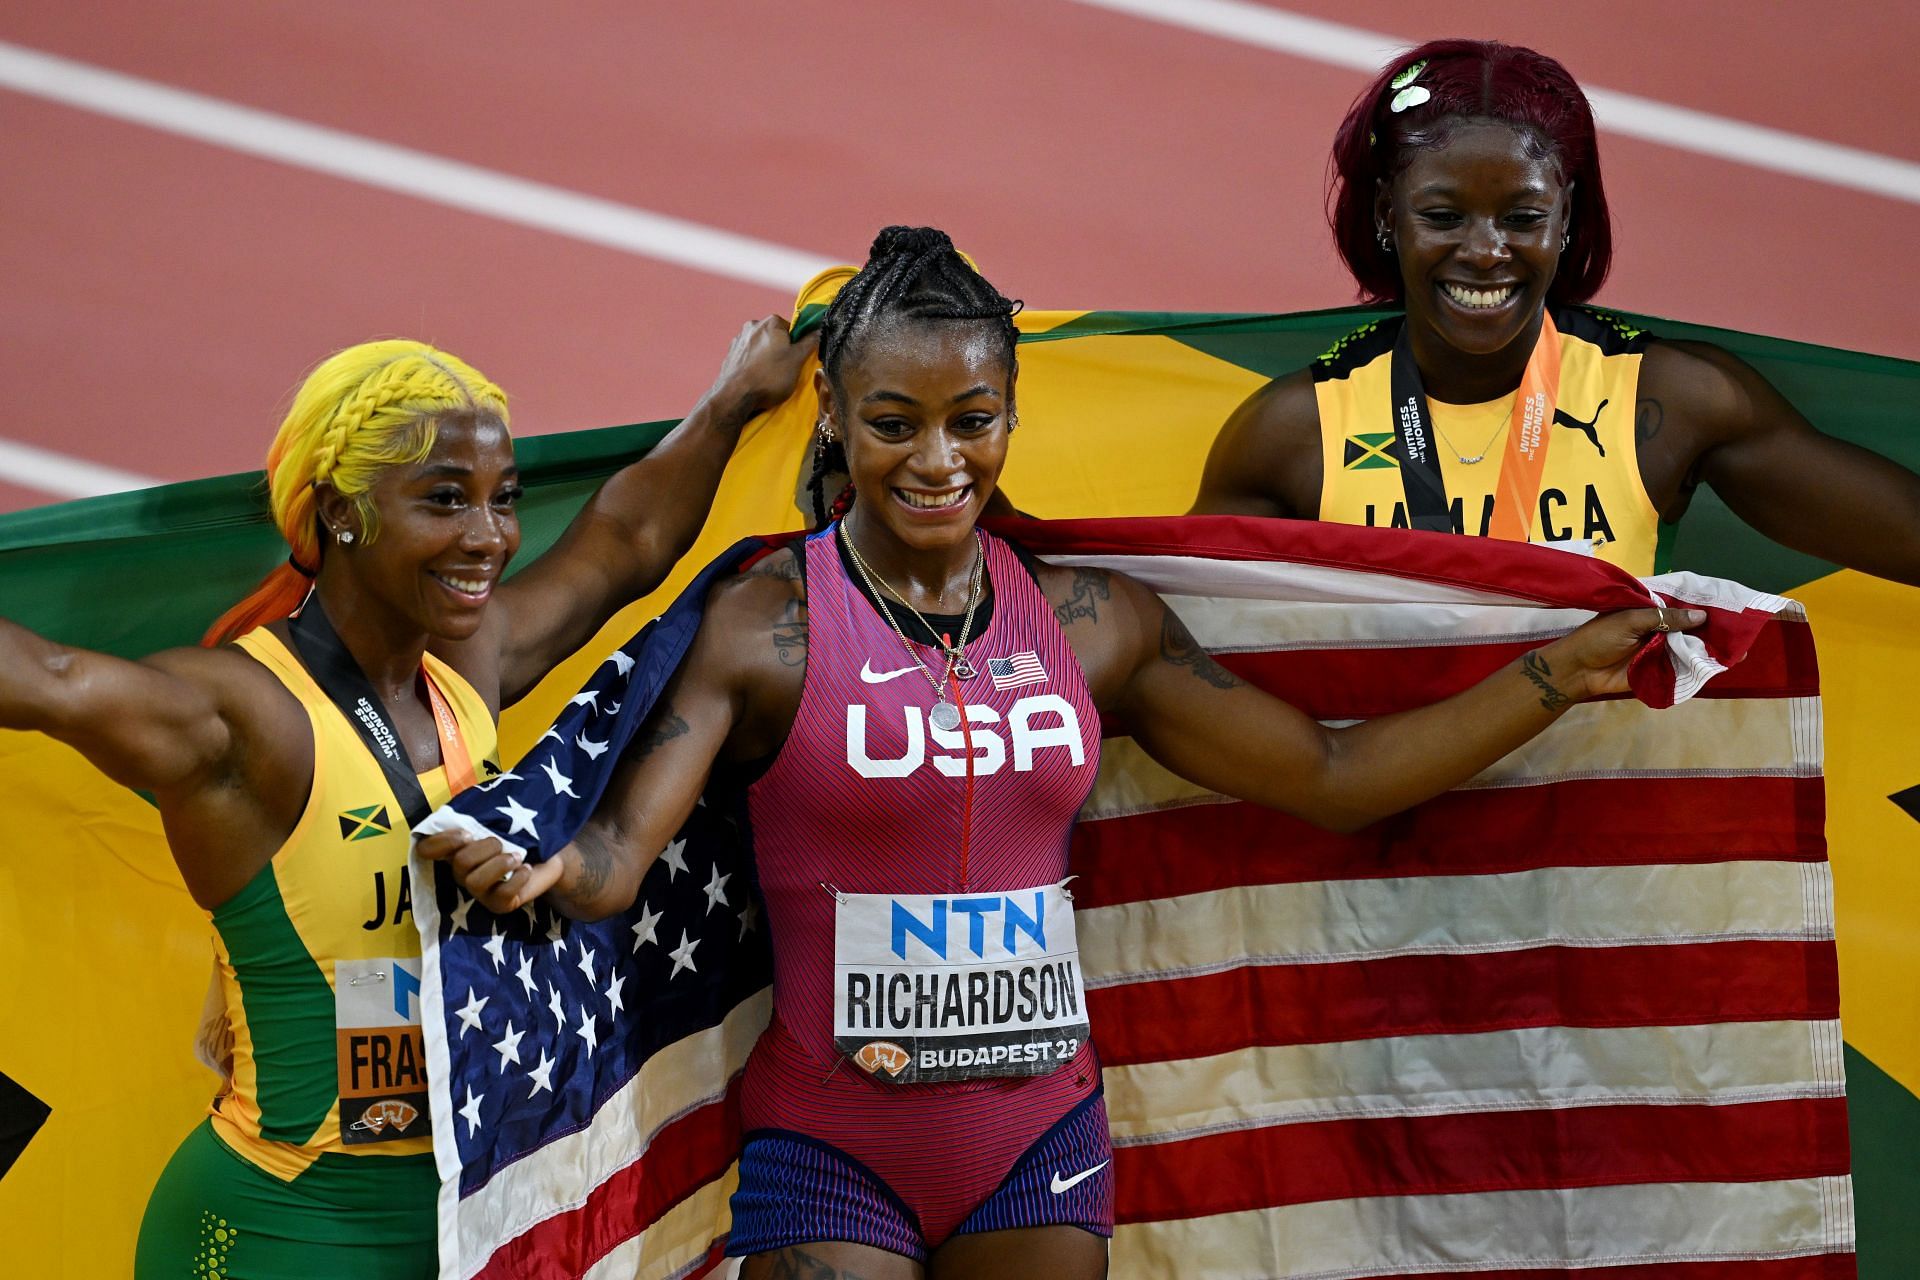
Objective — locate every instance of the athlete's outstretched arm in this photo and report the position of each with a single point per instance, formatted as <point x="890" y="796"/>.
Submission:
<point x="636" y="527"/>
<point x="1799" y="486"/>
<point x="734" y="693"/>
<point x="1210" y="727"/>
<point x="144" y="724"/>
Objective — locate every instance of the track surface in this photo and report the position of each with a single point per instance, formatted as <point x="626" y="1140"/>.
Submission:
<point x="164" y="295"/>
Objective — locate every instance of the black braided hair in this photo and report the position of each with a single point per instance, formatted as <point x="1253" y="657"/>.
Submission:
<point x="912" y="273"/>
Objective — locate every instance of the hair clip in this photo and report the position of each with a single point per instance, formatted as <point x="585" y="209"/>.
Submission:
<point x="1407" y="93"/>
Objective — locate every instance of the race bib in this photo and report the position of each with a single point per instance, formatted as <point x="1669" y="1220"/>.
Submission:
<point x="382" y="1054"/>
<point x="957" y="988"/>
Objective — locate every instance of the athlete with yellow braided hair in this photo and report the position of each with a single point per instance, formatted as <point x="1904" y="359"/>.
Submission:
<point x="360" y="689"/>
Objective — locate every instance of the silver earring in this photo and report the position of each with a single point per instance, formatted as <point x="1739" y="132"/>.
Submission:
<point x="345" y="536"/>
<point x="1013" y="421"/>
<point x="1386" y="242"/>
<point x="1566" y="240"/>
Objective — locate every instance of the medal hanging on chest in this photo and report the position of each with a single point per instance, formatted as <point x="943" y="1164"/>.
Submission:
<point x="944" y="715"/>
<point x="1517" y="492"/>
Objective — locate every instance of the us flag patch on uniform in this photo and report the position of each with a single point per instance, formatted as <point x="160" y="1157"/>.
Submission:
<point x="1021" y="668"/>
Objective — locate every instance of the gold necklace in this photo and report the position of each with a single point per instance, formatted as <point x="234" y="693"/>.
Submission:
<point x="944" y="714"/>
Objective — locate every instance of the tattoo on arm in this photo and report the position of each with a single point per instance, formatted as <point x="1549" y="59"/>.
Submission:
<point x="1178" y="648"/>
<point x="595" y="861"/>
<point x="1090" y="587"/>
<point x="1535" y="668"/>
<point x="1648" y="418"/>
<point x="662" y="726"/>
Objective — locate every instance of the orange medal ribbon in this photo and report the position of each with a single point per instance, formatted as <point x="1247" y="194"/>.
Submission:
<point x="453" y="748"/>
<point x="1516" y="499"/>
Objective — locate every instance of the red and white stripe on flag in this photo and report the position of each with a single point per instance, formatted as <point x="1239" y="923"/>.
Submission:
<point x="1581" y="1013"/>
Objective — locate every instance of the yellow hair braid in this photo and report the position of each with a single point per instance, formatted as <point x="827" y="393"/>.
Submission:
<point x="359" y="412"/>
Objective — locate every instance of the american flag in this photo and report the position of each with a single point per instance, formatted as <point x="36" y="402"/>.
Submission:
<point x="1020" y="669"/>
<point x="1580" y="1013"/>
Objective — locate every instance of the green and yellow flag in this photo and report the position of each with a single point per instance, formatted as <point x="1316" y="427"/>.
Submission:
<point x="107" y="958"/>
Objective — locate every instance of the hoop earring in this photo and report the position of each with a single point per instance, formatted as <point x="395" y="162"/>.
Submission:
<point x="1013" y="422"/>
<point x="1386" y="242"/>
<point x="1565" y="240"/>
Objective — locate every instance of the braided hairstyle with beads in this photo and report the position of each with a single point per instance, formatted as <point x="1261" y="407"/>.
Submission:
<point x="358" y="413"/>
<point x="912" y="273"/>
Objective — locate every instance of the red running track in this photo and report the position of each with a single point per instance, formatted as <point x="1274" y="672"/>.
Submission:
<point x="165" y="295"/>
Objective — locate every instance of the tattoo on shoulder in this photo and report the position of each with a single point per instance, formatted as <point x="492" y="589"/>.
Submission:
<point x="790" y="634"/>
<point x="1535" y="668"/>
<point x="1178" y="648"/>
<point x="662" y="726"/>
<point x="784" y="565"/>
<point x="1648" y="418"/>
<point x="1090" y="587"/>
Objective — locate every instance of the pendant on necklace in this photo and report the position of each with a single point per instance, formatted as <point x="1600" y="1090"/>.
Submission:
<point x="945" y="716"/>
<point x="962" y="669"/>
<point x="1467" y="462"/>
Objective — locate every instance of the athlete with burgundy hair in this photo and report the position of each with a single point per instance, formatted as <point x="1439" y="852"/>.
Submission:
<point x="912" y="709"/>
<point x="1467" y="192"/>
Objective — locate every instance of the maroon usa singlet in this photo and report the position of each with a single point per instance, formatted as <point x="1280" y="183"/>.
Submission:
<point x="879" y="834"/>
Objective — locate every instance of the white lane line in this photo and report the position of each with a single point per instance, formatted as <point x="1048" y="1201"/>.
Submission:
<point x="372" y="163"/>
<point x="1622" y="113"/>
<point x="64" y="477"/>
<point x="409" y="172"/>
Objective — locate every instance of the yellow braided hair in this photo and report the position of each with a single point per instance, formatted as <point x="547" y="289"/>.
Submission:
<point x="361" y="411"/>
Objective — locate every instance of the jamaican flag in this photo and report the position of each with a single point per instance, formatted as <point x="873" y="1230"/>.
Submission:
<point x="107" y="958"/>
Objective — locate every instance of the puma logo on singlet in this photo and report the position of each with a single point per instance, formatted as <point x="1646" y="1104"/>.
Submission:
<point x="1561" y="418"/>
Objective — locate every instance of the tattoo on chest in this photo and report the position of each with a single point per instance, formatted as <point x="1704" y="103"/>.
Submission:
<point x="1090" y="587"/>
<point x="1648" y="418"/>
<point x="1535" y="668"/>
<point x="1178" y="648"/>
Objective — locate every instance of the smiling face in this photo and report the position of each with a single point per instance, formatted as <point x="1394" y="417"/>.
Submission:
<point x="1476" y="224"/>
<point x="446" y="529"/>
<point x="922" y="408"/>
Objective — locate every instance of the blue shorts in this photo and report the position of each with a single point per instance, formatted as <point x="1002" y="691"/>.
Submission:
<point x="798" y="1190"/>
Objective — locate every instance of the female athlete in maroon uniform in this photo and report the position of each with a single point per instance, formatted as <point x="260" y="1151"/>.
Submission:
<point x="913" y="711"/>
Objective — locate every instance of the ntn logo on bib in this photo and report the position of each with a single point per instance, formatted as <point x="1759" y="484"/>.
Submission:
<point x="966" y="985"/>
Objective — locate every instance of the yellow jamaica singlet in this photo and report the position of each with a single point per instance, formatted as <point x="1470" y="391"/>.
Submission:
<point x="318" y="956"/>
<point x="1591" y="498"/>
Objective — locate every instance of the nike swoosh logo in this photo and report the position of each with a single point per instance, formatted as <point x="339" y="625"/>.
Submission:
<point x="1061" y="1184"/>
<point x="870" y="676"/>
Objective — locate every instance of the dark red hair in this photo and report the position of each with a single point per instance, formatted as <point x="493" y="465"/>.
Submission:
<point x="1468" y="80"/>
